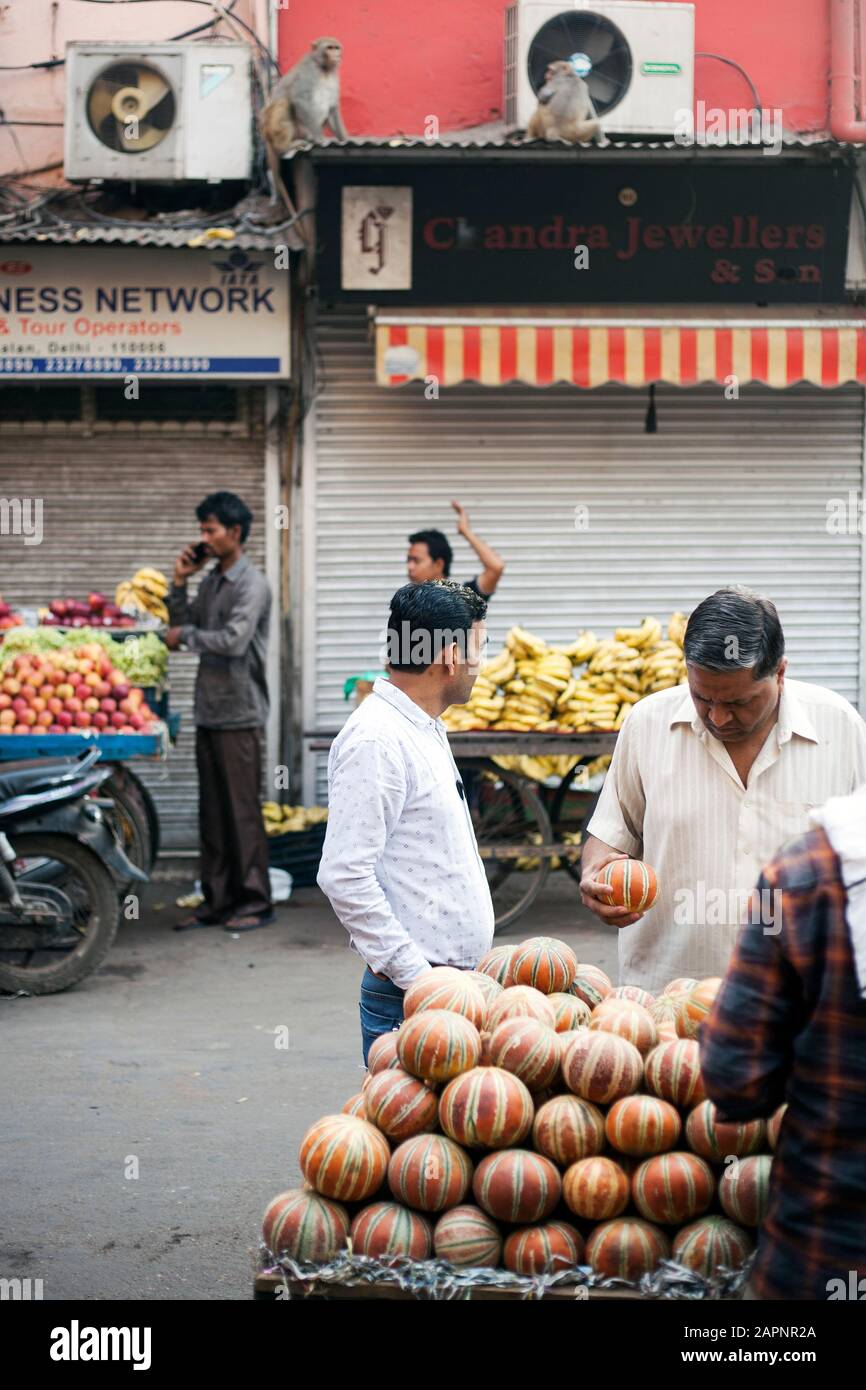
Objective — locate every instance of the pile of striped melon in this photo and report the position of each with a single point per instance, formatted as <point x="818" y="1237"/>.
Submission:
<point x="528" y="1114"/>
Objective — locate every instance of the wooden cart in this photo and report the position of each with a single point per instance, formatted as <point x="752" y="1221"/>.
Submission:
<point x="521" y="825"/>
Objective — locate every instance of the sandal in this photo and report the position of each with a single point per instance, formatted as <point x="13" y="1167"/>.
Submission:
<point x="251" y="923"/>
<point x="193" y="921"/>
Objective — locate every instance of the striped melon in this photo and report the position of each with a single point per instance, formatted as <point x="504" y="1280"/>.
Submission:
<point x="344" y="1157"/>
<point x="305" y="1226"/>
<point x="466" y="1235"/>
<point x="486" y="1108"/>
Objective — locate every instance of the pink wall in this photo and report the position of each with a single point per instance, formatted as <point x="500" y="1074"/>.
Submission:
<point x="405" y="62"/>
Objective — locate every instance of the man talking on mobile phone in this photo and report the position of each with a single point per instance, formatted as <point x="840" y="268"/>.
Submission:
<point x="227" y="623"/>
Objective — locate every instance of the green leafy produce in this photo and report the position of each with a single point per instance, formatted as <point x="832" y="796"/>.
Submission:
<point x="143" y="660"/>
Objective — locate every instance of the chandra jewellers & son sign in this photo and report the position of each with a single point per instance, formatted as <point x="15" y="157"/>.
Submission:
<point x="645" y="233"/>
<point x="101" y="312"/>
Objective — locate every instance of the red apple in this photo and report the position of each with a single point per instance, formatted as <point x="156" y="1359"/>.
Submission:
<point x="39" y="704"/>
<point x="65" y="691"/>
<point x="108" y="705"/>
<point x="37" y="677"/>
<point x="93" y="679"/>
<point x="73" y="704"/>
<point x="28" y="716"/>
<point x="119" y="684"/>
<point x="64" y="718"/>
<point x="96" y="601"/>
<point x="8" y="718"/>
<point x="12" y="686"/>
<point x="56" y="729"/>
<point x="47" y="690"/>
<point x="105" y="668"/>
<point x="82" y="719"/>
<point x="136" y="721"/>
<point x="19" y="704"/>
<point x="5" y="610"/>
<point x="91" y="704"/>
<point x="118" y="720"/>
<point x="5" y="700"/>
<point x="82" y="691"/>
<point x="127" y="729"/>
<point x="111" y="610"/>
<point x="45" y="719"/>
<point x="28" y="691"/>
<point x="58" y="607"/>
<point x="21" y="663"/>
<point x="85" y="663"/>
<point x="55" y="704"/>
<point x="100" y="720"/>
<point x="102" y="691"/>
<point x="21" y="729"/>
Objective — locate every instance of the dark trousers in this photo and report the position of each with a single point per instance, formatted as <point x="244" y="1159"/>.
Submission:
<point x="234" y="846"/>
<point x="381" y="1009"/>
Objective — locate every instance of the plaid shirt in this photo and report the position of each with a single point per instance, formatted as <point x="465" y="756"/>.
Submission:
<point x="789" y="1024"/>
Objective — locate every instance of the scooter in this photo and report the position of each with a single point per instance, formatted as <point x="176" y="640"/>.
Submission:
<point x="61" y="871"/>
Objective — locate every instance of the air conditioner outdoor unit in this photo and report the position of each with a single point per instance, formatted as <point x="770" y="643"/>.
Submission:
<point x="158" y="113"/>
<point x="636" y="56"/>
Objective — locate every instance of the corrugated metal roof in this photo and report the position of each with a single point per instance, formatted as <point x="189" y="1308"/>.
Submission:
<point x="497" y="136"/>
<point x="65" y="216"/>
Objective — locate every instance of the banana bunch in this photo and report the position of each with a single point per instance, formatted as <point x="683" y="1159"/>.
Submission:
<point x="663" y="667"/>
<point x="485" y="704"/>
<point x="582" y="648"/>
<point x="641" y="637"/>
<point x="540" y="681"/>
<point x="533" y="686"/>
<point x="279" y="820"/>
<point x="523" y="644"/>
<point x="145" y="591"/>
<point x="677" y="628"/>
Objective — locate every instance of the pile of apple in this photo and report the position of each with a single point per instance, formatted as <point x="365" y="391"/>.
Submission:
<point x="98" y="611"/>
<point x="8" y="618"/>
<point x="64" y="691"/>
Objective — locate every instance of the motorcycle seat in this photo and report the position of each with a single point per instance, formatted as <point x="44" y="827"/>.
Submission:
<point x="33" y="774"/>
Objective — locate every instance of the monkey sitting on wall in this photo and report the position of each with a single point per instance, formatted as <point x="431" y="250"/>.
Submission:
<point x="306" y="99"/>
<point x="564" y="110"/>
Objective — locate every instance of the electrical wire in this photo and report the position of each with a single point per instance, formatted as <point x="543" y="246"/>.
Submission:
<point x="741" y="70"/>
<point x="221" y="13"/>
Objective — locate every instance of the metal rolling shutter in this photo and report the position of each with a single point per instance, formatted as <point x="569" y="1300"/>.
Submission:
<point x="110" y="505"/>
<point x="724" y="492"/>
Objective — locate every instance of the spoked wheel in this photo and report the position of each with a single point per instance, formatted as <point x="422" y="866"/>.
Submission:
<point x="571" y="810"/>
<point x="510" y="821"/>
<point x="74" y="898"/>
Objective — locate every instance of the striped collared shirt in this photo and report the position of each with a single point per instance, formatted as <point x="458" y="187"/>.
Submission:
<point x="674" y="798"/>
<point x="789" y="1024"/>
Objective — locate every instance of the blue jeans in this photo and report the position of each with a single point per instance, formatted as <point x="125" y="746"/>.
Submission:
<point x="381" y="1009"/>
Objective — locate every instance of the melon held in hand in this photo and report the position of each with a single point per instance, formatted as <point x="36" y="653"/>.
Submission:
<point x="630" y="883"/>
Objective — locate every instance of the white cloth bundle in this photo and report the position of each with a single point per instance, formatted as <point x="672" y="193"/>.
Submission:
<point x="843" y="820"/>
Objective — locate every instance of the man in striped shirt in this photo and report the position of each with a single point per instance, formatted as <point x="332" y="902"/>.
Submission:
<point x="708" y="782"/>
<point x="789" y="1024"/>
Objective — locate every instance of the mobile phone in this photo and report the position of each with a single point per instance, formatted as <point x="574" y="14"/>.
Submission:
<point x="200" y="551"/>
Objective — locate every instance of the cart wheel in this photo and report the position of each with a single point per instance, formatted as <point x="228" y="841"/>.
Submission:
<point x="131" y="816"/>
<point x="507" y="810"/>
<point x="572" y="809"/>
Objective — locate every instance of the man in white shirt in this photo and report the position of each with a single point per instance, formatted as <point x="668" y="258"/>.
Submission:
<point x="400" y="862"/>
<point x="708" y="782"/>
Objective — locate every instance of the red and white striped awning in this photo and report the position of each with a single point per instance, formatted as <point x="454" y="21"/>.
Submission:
<point x="589" y="352"/>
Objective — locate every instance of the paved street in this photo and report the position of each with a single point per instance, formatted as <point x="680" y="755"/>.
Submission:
<point x="169" y="1057"/>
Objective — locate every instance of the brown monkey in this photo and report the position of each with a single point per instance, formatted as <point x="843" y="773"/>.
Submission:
<point x="564" y="110"/>
<point x="306" y="99"/>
